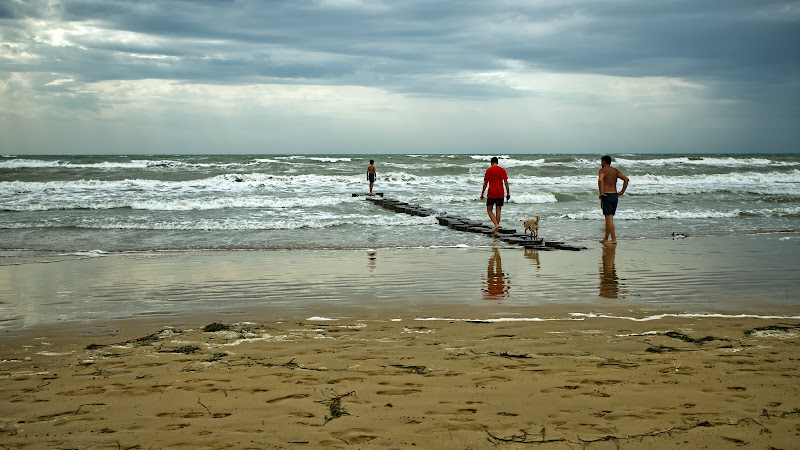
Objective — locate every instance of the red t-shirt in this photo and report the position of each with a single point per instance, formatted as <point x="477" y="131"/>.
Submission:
<point x="495" y="176"/>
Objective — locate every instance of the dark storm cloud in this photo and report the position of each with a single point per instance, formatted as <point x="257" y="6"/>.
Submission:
<point x="718" y="39"/>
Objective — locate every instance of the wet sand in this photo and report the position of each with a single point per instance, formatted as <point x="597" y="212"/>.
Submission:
<point x="659" y="344"/>
<point x="754" y="274"/>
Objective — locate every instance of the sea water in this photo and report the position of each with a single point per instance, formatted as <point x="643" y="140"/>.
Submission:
<point x="176" y="202"/>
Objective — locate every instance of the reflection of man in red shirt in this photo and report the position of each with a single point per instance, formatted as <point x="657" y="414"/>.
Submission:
<point x="495" y="177"/>
<point x="496" y="286"/>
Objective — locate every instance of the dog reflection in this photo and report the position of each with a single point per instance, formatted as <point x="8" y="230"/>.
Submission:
<point x="533" y="255"/>
<point x="609" y="282"/>
<point x="496" y="286"/>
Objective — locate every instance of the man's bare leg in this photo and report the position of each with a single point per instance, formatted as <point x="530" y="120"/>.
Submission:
<point x="497" y="214"/>
<point x="611" y="236"/>
<point x="493" y="218"/>
<point x="370" y="187"/>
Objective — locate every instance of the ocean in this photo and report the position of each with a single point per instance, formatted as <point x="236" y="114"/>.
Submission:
<point x="224" y="202"/>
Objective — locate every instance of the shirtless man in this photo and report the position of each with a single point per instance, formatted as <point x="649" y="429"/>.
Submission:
<point x="371" y="175"/>
<point x="607" y="184"/>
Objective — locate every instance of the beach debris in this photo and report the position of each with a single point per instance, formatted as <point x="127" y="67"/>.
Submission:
<point x="687" y="338"/>
<point x="216" y="357"/>
<point x="419" y="370"/>
<point x="150" y="339"/>
<point x="293" y="366"/>
<point x="661" y="349"/>
<point x="204" y="406"/>
<point x="527" y="438"/>
<point x="522" y="438"/>
<point x="212" y="327"/>
<point x="510" y="355"/>
<point x="186" y="349"/>
<point x="618" y="363"/>
<point x="335" y="407"/>
<point x="779" y="328"/>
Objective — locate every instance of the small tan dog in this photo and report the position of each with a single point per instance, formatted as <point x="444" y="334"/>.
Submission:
<point x="532" y="226"/>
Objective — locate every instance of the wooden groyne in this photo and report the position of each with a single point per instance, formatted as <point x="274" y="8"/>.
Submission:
<point x="507" y="235"/>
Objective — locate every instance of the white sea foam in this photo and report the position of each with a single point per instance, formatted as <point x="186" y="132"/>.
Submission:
<point x="583" y="316"/>
<point x="702" y="161"/>
<point x="227" y="223"/>
<point x="686" y="315"/>
<point x="628" y="214"/>
<point x="90" y="254"/>
<point x="167" y="204"/>
<point x="122" y="164"/>
<point x="534" y="198"/>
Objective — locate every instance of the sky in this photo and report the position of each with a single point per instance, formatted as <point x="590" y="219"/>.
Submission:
<point x="406" y="76"/>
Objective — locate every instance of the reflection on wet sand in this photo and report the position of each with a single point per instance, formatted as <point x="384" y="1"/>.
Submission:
<point x="496" y="286"/>
<point x="533" y="255"/>
<point x="372" y="258"/>
<point x="609" y="282"/>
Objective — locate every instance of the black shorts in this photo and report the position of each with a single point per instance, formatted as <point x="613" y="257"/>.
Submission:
<point x="371" y="177"/>
<point x="609" y="203"/>
<point x="494" y="201"/>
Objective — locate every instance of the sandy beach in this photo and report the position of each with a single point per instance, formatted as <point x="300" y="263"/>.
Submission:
<point x="595" y="382"/>
<point x="644" y="348"/>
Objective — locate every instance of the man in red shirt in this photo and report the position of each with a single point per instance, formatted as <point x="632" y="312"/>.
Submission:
<point x="495" y="177"/>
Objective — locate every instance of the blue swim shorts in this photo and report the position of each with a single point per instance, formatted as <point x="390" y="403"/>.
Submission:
<point x="609" y="203"/>
<point x="371" y="177"/>
<point x="494" y="201"/>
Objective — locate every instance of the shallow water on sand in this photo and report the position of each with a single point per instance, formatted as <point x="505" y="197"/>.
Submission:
<point x="754" y="274"/>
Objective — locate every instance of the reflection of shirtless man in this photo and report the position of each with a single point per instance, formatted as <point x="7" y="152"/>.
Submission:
<point x="607" y="184"/>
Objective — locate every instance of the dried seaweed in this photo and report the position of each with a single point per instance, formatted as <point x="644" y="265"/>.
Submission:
<point x="335" y="407"/>
<point x="661" y="349"/>
<point x="695" y="341"/>
<point x="212" y="327"/>
<point x="784" y="328"/>
<point x="419" y="370"/>
<point x="526" y="438"/>
<point x="511" y="355"/>
<point x="186" y="349"/>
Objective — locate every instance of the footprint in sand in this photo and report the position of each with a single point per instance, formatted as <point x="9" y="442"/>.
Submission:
<point x="288" y="397"/>
<point x="345" y="379"/>
<point x="355" y="436"/>
<point x="399" y="392"/>
<point x="485" y="381"/>
<point x="568" y="387"/>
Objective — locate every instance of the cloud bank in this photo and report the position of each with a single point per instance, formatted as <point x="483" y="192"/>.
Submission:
<point x="362" y="76"/>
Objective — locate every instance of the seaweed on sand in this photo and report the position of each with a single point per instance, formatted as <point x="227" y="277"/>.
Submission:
<point x="784" y="328"/>
<point x="335" y="407"/>
<point x="419" y="370"/>
<point x="686" y="338"/>
<point x="511" y="355"/>
<point x="150" y="339"/>
<point x="661" y="349"/>
<point x="212" y="327"/>
<point x="186" y="349"/>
